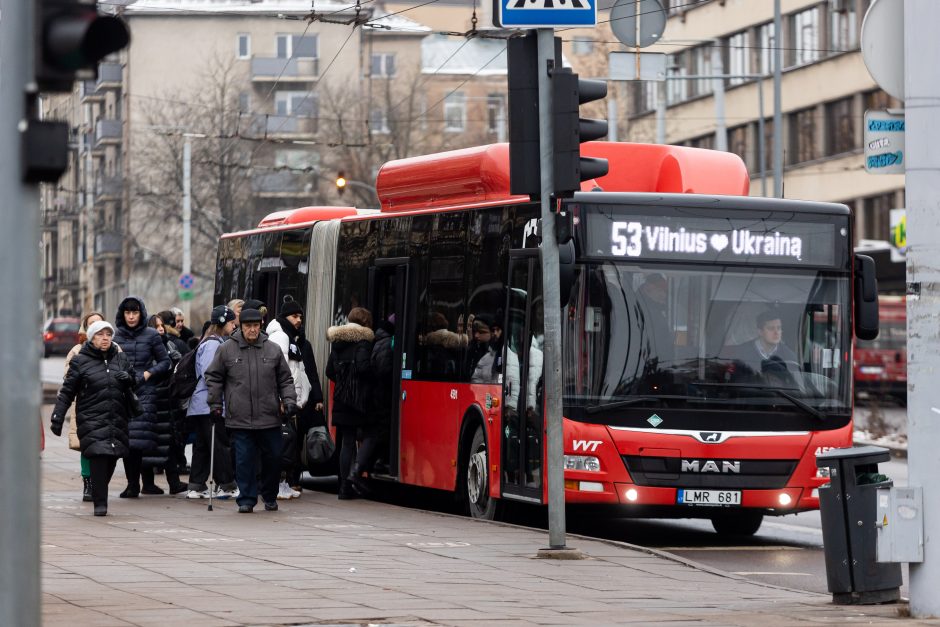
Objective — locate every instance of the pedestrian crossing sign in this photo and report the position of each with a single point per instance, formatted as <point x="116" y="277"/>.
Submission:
<point x="544" y="13"/>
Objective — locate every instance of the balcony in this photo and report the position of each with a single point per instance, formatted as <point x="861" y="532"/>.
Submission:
<point x="110" y="76"/>
<point x="278" y="125"/>
<point x="283" y="184"/>
<point x="90" y="92"/>
<point x="109" y="188"/>
<point x="109" y="243"/>
<point x="66" y="277"/>
<point x="268" y="69"/>
<point x="107" y="132"/>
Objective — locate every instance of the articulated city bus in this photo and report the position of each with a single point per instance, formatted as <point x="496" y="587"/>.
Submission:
<point x="707" y="336"/>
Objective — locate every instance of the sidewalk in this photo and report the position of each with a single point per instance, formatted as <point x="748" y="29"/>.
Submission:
<point x="162" y="561"/>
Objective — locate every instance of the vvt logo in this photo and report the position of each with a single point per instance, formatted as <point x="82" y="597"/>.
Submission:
<point x="586" y="445"/>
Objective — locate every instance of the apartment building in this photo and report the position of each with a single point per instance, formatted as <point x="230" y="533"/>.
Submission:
<point x="825" y="92"/>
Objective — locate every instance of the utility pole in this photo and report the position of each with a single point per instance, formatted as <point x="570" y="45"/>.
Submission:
<point x="922" y="110"/>
<point x="20" y="421"/>
<point x="551" y="294"/>
<point x="661" y="112"/>
<point x="778" y="116"/>
<point x="718" y="86"/>
<point x="187" y="215"/>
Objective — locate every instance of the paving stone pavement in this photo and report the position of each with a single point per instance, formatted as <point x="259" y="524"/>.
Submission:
<point x="164" y="560"/>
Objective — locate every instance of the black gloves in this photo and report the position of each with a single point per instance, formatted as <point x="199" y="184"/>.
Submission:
<point x="290" y="410"/>
<point x="122" y="377"/>
<point x="56" y="426"/>
<point x="216" y="415"/>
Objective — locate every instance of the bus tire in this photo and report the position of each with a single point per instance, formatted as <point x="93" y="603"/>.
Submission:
<point x="740" y="523"/>
<point x="475" y="488"/>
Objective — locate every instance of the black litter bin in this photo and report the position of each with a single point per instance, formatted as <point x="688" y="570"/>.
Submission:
<point x="847" y="509"/>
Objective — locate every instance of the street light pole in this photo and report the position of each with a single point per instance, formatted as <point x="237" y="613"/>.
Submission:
<point x="778" y="116"/>
<point x="187" y="216"/>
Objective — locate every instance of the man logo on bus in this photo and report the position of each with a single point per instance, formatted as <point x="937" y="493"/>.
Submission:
<point x="710" y="465"/>
<point x="710" y="436"/>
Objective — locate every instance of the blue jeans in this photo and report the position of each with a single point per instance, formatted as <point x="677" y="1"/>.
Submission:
<point x="249" y="445"/>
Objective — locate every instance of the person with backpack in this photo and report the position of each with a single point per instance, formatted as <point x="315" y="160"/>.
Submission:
<point x="190" y="383"/>
<point x="350" y="369"/>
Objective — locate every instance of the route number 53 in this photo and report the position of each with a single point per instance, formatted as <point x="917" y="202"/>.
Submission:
<point x="626" y="238"/>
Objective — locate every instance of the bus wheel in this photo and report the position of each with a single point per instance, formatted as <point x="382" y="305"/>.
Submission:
<point x="477" y="493"/>
<point x="741" y="523"/>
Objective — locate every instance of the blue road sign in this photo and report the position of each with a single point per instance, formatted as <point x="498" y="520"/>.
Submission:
<point x="544" y="13"/>
<point x="186" y="281"/>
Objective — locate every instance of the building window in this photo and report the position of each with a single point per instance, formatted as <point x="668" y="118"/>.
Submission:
<point x="805" y="37"/>
<point x="840" y="127"/>
<point x="383" y="64"/>
<point x="244" y="45"/>
<point x="677" y="90"/>
<point x="582" y="46"/>
<point x="702" y="66"/>
<point x="455" y="112"/>
<point x="738" y="144"/>
<point x="244" y="102"/>
<point x="802" y="136"/>
<point x="495" y="115"/>
<point x="296" y="159"/>
<point x="843" y="25"/>
<point x="297" y="47"/>
<point x="378" y="121"/>
<point x="876" y="216"/>
<point x="295" y="103"/>
<point x="767" y="42"/>
<point x="644" y="97"/>
<point x="739" y="58"/>
<point x="705" y="141"/>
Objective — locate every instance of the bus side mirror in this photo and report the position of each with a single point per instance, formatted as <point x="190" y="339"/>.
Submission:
<point x="566" y="273"/>
<point x="866" y="298"/>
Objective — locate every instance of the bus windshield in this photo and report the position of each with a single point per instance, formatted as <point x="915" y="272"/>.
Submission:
<point x="734" y="339"/>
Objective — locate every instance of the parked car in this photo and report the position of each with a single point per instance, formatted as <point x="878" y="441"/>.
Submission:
<point x="59" y="335"/>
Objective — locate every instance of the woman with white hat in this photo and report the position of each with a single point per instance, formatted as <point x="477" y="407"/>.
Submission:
<point x="101" y="378"/>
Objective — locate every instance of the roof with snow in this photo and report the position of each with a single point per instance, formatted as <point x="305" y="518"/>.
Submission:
<point x="454" y="55"/>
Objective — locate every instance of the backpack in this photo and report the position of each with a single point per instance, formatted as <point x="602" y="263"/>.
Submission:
<point x="183" y="380"/>
<point x="348" y="387"/>
<point x="318" y="447"/>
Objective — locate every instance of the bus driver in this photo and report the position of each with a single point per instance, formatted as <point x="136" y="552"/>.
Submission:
<point x="766" y="354"/>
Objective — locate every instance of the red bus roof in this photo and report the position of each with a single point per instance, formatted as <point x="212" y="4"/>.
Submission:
<point x="305" y="214"/>
<point x="481" y="174"/>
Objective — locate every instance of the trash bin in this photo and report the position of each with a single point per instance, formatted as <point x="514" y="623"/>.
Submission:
<point x="847" y="507"/>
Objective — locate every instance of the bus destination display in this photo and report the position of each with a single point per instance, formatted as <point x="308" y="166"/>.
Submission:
<point x="770" y="239"/>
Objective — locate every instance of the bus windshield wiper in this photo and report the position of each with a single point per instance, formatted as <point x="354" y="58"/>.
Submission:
<point x="633" y="400"/>
<point x="783" y="392"/>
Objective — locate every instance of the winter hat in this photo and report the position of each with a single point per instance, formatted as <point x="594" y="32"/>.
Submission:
<point x="99" y="326"/>
<point x="250" y="315"/>
<point x="221" y="314"/>
<point x="290" y="308"/>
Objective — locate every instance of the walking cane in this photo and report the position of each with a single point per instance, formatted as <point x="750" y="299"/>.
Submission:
<point x="212" y="466"/>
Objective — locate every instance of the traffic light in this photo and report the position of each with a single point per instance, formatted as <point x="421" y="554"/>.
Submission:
<point x="569" y="130"/>
<point x="71" y="38"/>
<point x="340" y="182"/>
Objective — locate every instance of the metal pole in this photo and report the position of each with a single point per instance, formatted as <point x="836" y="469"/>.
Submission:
<point x="762" y="157"/>
<point x="19" y="386"/>
<point x="661" y="112"/>
<point x="922" y="110"/>
<point x="551" y="294"/>
<point x="613" y="121"/>
<point x="718" y="85"/>
<point x="778" y="116"/>
<point x="187" y="215"/>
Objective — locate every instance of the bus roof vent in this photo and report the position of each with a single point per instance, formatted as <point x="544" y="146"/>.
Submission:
<point x="305" y="214"/>
<point x="480" y="175"/>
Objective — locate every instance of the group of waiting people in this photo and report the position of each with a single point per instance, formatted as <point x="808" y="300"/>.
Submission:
<point x="248" y="383"/>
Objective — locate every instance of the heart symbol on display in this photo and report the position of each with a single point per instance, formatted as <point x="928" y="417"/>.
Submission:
<point x="719" y="241"/>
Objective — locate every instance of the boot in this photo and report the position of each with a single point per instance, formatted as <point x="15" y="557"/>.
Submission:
<point x="86" y="493"/>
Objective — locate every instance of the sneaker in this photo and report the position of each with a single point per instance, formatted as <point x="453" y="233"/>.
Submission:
<point x="284" y="492"/>
<point x="270" y="507"/>
<point x="245" y="509"/>
<point x="294" y="493"/>
<point x="195" y="494"/>
<point x="224" y="495"/>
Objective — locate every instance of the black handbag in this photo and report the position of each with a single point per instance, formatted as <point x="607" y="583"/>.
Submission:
<point x="318" y="447"/>
<point x="289" y="443"/>
<point x="348" y="388"/>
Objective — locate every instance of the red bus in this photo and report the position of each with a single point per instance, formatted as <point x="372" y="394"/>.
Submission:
<point x="881" y="364"/>
<point x="670" y="410"/>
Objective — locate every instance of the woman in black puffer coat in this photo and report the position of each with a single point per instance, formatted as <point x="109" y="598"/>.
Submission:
<point x="350" y="368"/>
<point x="169" y="416"/>
<point x="101" y="377"/>
<point x="147" y="355"/>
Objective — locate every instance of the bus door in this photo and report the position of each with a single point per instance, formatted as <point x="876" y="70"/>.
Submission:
<point x="388" y="293"/>
<point x="522" y="421"/>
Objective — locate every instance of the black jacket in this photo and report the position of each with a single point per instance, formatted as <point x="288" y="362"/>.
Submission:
<point x="383" y="357"/>
<point x="352" y="343"/>
<point x="101" y="410"/>
<point x="145" y="352"/>
<point x="254" y="379"/>
<point x="168" y="413"/>
<point x="309" y="416"/>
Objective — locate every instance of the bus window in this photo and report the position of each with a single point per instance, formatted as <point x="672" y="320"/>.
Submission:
<point x="295" y="255"/>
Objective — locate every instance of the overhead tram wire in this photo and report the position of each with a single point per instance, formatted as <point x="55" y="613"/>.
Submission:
<point x="625" y="17"/>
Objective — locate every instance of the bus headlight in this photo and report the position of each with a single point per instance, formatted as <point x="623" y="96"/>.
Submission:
<point x="582" y="462"/>
<point x="785" y="499"/>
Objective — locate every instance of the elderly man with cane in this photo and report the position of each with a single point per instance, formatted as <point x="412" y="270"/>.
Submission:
<point x="253" y="377"/>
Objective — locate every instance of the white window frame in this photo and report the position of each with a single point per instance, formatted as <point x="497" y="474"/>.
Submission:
<point x="289" y="45"/>
<point x="246" y="37"/>
<point x="739" y="57"/>
<point x="384" y="58"/>
<point x="805" y="34"/>
<point x="286" y="98"/>
<point x="768" y="40"/>
<point x="378" y="121"/>
<point x="456" y="102"/>
<point x="296" y="159"/>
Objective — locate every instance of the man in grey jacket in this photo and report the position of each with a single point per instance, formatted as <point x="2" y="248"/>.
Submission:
<point x="253" y="377"/>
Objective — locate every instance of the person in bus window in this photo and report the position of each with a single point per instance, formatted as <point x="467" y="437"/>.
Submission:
<point x="766" y="356"/>
<point x="441" y="347"/>
<point x="653" y="297"/>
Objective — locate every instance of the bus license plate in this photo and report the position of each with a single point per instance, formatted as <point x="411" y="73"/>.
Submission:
<point x="708" y="497"/>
